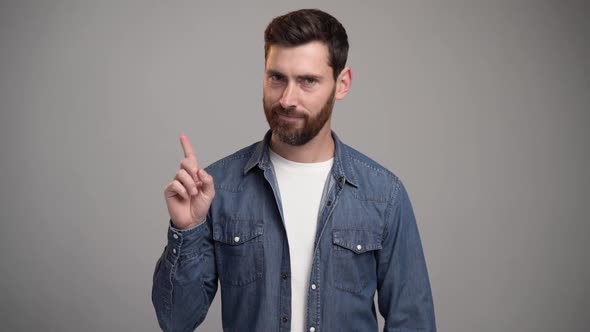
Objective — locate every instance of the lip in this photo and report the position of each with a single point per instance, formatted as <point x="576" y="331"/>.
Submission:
<point x="289" y="118"/>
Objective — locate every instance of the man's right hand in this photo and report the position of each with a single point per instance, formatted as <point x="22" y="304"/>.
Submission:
<point x="189" y="195"/>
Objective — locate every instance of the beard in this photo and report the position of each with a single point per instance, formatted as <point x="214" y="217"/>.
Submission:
<point x="289" y="131"/>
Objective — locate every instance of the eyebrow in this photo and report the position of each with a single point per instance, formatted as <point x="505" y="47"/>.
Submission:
<point x="271" y="72"/>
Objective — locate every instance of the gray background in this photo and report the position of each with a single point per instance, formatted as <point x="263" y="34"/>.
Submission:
<point x="481" y="107"/>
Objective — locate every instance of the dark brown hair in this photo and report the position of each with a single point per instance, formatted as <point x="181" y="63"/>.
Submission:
<point x="306" y="25"/>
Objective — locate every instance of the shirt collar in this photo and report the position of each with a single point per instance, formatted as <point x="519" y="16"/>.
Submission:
<point x="342" y="167"/>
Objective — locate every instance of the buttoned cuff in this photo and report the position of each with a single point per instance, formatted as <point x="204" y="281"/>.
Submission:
<point x="184" y="243"/>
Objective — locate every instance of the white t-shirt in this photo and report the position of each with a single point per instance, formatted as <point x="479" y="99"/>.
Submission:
<point x="301" y="186"/>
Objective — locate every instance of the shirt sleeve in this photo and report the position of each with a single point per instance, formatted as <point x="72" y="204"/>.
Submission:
<point x="185" y="278"/>
<point x="404" y="293"/>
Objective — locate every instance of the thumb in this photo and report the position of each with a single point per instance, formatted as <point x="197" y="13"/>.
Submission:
<point x="208" y="188"/>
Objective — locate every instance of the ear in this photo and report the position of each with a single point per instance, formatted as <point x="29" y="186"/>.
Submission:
<point x="343" y="83"/>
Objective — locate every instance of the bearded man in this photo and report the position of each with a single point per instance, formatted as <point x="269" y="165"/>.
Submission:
<point x="299" y="229"/>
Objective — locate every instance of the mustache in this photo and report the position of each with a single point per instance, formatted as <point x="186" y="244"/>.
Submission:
<point x="287" y="111"/>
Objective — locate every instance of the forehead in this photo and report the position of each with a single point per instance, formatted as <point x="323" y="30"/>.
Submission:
<point x="310" y="57"/>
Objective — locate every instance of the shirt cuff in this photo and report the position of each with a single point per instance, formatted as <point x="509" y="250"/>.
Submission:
<point x="184" y="242"/>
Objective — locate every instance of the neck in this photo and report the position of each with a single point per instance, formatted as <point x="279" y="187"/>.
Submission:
<point x="318" y="149"/>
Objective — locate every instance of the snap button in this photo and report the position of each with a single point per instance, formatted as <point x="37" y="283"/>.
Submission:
<point x="174" y="250"/>
<point x="285" y="319"/>
<point x="237" y="239"/>
<point x="175" y="236"/>
<point x="313" y="286"/>
<point x="312" y="329"/>
<point x="359" y="247"/>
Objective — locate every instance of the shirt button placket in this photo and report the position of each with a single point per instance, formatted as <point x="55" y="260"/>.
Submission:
<point x="314" y="298"/>
<point x="176" y="245"/>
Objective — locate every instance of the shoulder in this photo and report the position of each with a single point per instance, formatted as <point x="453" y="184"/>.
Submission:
<point x="371" y="176"/>
<point x="235" y="159"/>
<point x="228" y="172"/>
<point x="364" y="163"/>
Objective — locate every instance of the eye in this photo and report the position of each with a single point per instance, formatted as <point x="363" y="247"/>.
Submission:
<point x="309" y="81"/>
<point x="275" y="78"/>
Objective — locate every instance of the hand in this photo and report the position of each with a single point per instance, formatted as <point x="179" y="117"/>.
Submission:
<point x="189" y="195"/>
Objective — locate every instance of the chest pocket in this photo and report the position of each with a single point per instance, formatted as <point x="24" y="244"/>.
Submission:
<point x="353" y="257"/>
<point x="239" y="251"/>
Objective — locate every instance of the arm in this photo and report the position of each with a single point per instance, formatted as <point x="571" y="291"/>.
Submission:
<point x="185" y="278"/>
<point x="404" y="294"/>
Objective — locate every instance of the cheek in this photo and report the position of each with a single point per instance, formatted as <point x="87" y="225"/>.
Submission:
<point x="271" y="95"/>
<point x="315" y="103"/>
<point x="268" y="100"/>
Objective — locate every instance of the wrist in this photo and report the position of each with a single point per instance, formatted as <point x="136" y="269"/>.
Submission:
<point x="186" y="227"/>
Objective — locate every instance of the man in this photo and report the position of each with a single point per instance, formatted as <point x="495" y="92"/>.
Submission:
<point x="299" y="229"/>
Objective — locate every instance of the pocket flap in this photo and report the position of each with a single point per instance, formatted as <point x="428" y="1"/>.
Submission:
<point x="357" y="240"/>
<point x="236" y="231"/>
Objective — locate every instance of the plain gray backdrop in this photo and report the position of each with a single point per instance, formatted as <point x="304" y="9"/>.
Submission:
<point x="482" y="108"/>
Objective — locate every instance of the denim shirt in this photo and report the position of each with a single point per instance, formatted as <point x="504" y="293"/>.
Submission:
<point x="366" y="240"/>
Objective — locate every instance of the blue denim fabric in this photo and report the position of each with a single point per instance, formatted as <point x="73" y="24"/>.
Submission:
<point x="366" y="240"/>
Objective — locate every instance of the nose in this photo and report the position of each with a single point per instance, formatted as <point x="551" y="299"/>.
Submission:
<point x="289" y="97"/>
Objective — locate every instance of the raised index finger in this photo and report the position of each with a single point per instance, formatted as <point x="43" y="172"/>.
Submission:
<point x="187" y="147"/>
